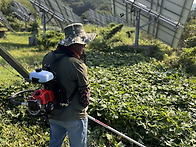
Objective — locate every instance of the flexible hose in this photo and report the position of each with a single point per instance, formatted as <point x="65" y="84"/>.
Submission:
<point x="14" y="96"/>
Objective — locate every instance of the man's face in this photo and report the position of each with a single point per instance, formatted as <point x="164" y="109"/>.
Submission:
<point x="80" y="48"/>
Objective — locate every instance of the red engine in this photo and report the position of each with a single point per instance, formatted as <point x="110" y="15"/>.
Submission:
<point x="41" y="101"/>
<point x="44" y="95"/>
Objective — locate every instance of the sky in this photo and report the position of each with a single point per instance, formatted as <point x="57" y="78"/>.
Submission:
<point x="194" y="1"/>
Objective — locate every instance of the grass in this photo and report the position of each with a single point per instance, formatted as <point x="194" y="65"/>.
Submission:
<point x="26" y="55"/>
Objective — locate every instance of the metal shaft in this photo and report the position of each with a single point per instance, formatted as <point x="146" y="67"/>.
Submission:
<point x="115" y="131"/>
<point x="14" y="63"/>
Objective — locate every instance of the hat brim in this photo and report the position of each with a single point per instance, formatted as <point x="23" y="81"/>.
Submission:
<point x="88" y="37"/>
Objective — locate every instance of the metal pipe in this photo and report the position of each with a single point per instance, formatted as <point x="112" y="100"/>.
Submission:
<point x="14" y="63"/>
<point x="137" y="27"/>
<point x="115" y="131"/>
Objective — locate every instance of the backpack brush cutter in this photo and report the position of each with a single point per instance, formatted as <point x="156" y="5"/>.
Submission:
<point x="41" y="101"/>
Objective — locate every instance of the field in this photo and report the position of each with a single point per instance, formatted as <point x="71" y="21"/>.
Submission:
<point x="133" y="89"/>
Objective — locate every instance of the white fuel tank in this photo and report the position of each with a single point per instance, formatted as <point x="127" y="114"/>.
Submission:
<point x="41" y="76"/>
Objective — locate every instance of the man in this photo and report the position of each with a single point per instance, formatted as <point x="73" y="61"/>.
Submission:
<point x="70" y="116"/>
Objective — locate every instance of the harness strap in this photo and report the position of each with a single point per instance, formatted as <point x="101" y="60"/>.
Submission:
<point x="47" y="66"/>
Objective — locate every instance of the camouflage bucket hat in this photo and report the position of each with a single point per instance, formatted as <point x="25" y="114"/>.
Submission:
<point x="74" y="33"/>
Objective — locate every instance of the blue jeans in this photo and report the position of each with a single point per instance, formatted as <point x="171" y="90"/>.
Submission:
<point x="77" y="132"/>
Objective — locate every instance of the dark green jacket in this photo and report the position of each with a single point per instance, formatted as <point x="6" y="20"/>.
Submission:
<point x="72" y="73"/>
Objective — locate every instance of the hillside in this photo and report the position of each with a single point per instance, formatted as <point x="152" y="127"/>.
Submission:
<point x="80" y="6"/>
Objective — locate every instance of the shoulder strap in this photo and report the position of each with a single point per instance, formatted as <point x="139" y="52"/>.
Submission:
<point x="54" y="59"/>
<point x="69" y="98"/>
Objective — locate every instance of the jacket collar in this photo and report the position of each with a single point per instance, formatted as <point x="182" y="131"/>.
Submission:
<point x="67" y="50"/>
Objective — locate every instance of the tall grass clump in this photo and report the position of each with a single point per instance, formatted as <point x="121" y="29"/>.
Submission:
<point x="107" y="37"/>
